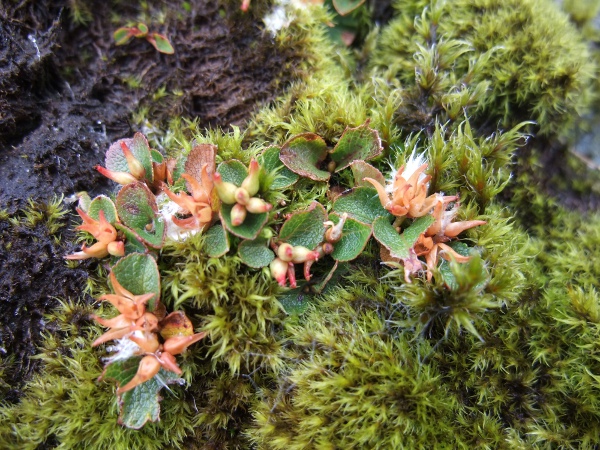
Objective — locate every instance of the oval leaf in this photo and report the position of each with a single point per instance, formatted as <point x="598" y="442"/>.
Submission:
<point x="157" y="156"/>
<point x="216" y="241"/>
<point x="360" y="143"/>
<point x="136" y="206"/>
<point x="305" y="228"/>
<point x="249" y="229"/>
<point x="122" y="36"/>
<point x="355" y="236"/>
<point x="162" y="44"/>
<point x="294" y="301"/>
<point x="103" y="203"/>
<point x="138" y="274"/>
<point x="115" y="158"/>
<point x="400" y="244"/>
<point x="362" y="204"/>
<point x="302" y="154"/>
<point x="270" y="162"/>
<point x="233" y="171"/>
<point x="256" y="253"/>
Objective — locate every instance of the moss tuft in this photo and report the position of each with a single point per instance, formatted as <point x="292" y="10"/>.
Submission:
<point x="536" y="63"/>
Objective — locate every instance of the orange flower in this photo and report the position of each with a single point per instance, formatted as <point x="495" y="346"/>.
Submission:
<point x="432" y="243"/>
<point x="200" y="204"/>
<point x="104" y="233"/>
<point x="408" y="190"/>
<point x="129" y="305"/>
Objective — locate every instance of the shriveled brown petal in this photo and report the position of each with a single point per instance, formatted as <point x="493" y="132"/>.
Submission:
<point x="110" y="335"/>
<point x="447" y="251"/>
<point x="167" y="360"/>
<point x="146" y="341"/>
<point x="454" y="229"/>
<point x="149" y="366"/>
<point x="120" y="321"/>
<point x="177" y="344"/>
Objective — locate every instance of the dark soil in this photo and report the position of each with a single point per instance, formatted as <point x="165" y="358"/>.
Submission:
<point x="67" y="92"/>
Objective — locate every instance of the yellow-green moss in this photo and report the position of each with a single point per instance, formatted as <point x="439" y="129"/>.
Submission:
<point x="536" y="63"/>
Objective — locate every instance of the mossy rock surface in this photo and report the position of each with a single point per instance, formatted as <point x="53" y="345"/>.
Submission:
<point x="497" y="352"/>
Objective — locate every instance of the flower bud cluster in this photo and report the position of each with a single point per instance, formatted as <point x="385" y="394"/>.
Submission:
<point x="143" y="328"/>
<point x="282" y="267"/>
<point x="242" y="197"/>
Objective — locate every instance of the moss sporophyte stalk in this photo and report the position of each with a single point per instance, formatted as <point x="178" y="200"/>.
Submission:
<point x="226" y="203"/>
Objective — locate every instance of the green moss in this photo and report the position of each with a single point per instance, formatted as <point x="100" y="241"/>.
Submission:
<point x="536" y="63"/>
<point x="352" y="384"/>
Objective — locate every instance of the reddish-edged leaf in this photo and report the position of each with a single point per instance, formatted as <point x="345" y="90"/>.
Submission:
<point x="161" y="43"/>
<point x="360" y="143"/>
<point x="302" y="154"/>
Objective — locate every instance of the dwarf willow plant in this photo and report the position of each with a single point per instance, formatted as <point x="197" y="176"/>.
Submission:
<point x="240" y="213"/>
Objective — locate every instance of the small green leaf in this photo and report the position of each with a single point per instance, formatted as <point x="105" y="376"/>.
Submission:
<point x="157" y="156"/>
<point x="302" y="154"/>
<point x="162" y="44"/>
<point x="344" y="7"/>
<point x="270" y="162"/>
<point x="103" y="203"/>
<point x="141" y="150"/>
<point x="136" y="206"/>
<point x="305" y="228"/>
<point x="355" y="236"/>
<point x="400" y="244"/>
<point x="361" y="169"/>
<point x="133" y="243"/>
<point x="216" y="241"/>
<point x="233" y="171"/>
<point x="360" y="143"/>
<point x="249" y="229"/>
<point x="362" y="204"/>
<point x="141" y="404"/>
<point x="256" y="253"/>
<point x="294" y="301"/>
<point x="143" y="29"/>
<point x="122" y="36"/>
<point x="138" y="273"/>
